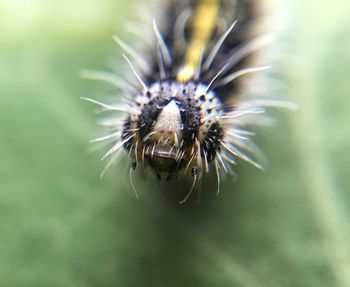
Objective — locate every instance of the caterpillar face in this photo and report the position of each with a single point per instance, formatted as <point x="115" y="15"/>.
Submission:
<point x="178" y="126"/>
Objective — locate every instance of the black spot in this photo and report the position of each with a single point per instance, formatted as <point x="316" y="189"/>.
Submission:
<point x="191" y="121"/>
<point x="126" y="134"/>
<point x="133" y="165"/>
<point x="212" y="141"/>
<point x="148" y="116"/>
<point x="202" y="98"/>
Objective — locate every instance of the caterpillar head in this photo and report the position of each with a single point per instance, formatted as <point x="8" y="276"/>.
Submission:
<point x="177" y="128"/>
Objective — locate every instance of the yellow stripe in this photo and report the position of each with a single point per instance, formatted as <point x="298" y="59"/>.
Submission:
<point x="204" y="22"/>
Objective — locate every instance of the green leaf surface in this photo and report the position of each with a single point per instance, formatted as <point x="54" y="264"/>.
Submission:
<point x="60" y="225"/>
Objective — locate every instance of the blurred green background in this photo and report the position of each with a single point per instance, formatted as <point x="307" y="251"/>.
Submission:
<point x="60" y="225"/>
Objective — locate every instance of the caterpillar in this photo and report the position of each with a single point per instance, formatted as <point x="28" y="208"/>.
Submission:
<point x="185" y="111"/>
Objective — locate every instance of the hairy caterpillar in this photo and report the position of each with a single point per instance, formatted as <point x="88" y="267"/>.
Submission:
<point x="186" y="112"/>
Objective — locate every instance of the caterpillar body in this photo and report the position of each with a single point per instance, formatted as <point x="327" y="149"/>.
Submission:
<point x="186" y="113"/>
